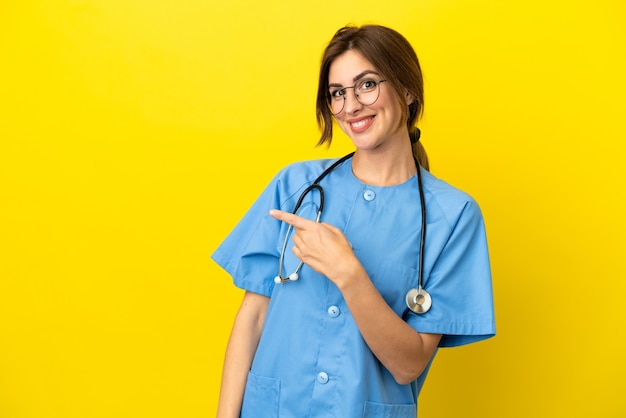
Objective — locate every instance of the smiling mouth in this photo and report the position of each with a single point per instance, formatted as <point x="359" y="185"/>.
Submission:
<point x="361" y="123"/>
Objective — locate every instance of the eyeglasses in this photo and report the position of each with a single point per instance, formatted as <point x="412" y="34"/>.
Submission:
<point x="366" y="92"/>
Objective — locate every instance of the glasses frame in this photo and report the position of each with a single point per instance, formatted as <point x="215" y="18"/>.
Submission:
<point x="356" y="96"/>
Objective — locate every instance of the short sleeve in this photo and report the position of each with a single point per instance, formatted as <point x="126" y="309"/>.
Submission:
<point x="460" y="285"/>
<point x="249" y="253"/>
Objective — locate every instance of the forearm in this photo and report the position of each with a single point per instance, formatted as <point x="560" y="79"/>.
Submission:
<point x="401" y="349"/>
<point x="240" y="351"/>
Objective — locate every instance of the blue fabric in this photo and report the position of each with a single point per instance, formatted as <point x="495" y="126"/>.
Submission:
<point x="302" y="337"/>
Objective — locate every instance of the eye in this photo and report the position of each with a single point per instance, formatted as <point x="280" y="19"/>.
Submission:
<point x="367" y="85"/>
<point x="337" y="94"/>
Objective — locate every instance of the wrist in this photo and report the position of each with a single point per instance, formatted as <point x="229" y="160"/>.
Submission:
<point x="351" y="276"/>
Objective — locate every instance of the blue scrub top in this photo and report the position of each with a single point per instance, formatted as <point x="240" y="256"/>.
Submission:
<point x="312" y="360"/>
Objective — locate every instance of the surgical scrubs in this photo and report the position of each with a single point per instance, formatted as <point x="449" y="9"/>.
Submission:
<point x="311" y="360"/>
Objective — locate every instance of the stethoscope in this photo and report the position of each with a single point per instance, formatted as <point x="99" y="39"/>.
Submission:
<point x="417" y="299"/>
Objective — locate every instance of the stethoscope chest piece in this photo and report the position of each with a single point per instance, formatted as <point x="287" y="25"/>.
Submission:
<point x="418" y="300"/>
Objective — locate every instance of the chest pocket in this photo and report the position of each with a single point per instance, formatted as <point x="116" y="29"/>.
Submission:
<point x="381" y="410"/>
<point x="393" y="280"/>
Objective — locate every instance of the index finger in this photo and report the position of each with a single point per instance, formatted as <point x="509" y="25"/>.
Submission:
<point x="292" y="219"/>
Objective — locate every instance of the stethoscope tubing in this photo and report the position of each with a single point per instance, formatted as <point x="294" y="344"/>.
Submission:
<point x="314" y="186"/>
<point x="420" y="273"/>
<point x="294" y="275"/>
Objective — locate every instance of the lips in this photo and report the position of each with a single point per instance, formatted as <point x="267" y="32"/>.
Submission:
<point x="361" y="124"/>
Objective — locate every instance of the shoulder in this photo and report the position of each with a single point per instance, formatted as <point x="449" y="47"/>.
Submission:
<point x="293" y="178"/>
<point x="450" y="200"/>
<point x="305" y="168"/>
<point x="444" y="191"/>
<point x="302" y="173"/>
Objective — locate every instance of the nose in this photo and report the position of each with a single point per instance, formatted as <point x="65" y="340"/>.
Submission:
<point x="351" y="102"/>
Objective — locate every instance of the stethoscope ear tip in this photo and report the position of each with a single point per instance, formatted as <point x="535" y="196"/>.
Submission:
<point x="292" y="278"/>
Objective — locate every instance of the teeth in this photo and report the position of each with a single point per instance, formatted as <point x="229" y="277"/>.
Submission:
<point x="360" y="123"/>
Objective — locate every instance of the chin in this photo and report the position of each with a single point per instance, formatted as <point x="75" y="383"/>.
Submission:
<point x="364" y="142"/>
<point x="365" y="146"/>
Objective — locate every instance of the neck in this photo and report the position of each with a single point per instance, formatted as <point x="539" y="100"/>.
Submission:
<point x="384" y="168"/>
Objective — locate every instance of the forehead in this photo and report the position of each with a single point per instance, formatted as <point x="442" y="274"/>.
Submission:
<point x="347" y="66"/>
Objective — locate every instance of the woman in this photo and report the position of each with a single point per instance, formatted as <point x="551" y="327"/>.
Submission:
<point x="342" y="339"/>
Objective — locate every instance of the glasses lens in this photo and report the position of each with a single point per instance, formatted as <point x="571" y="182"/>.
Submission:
<point x="368" y="91"/>
<point x="336" y="100"/>
<point x="336" y="105"/>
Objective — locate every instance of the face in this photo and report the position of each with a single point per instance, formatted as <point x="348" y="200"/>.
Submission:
<point x="374" y="126"/>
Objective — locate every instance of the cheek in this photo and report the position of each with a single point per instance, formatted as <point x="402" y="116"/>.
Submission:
<point x="393" y="105"/>
<point x="345" y="127"/>
<point x="341" y="124"/>
<point x="399" y="112"/>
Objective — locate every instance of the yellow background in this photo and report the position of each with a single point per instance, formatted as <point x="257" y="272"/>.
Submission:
<point x="134" y="134"/>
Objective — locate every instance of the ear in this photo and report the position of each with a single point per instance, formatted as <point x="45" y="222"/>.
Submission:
<point x="409" y="98"/>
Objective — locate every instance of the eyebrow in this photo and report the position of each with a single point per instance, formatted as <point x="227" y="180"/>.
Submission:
<point x="356" y="78"/>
